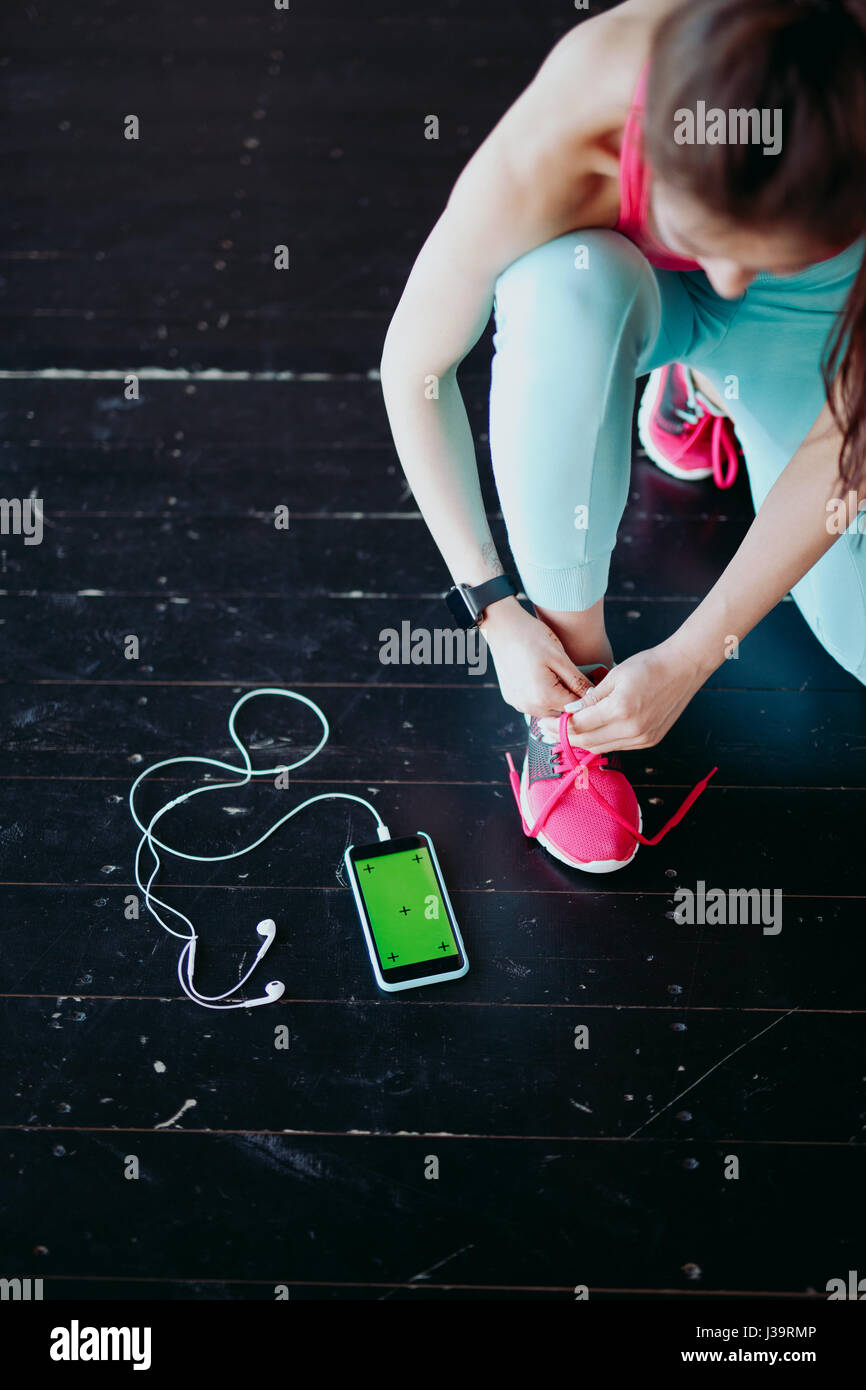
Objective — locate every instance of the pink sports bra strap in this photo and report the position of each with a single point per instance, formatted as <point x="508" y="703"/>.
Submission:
<point x="632" y="182"/>
<point x="634" y="187"/>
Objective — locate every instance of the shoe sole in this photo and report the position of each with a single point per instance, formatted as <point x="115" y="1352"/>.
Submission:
<point x="598" y="866"/>
<point x="644" y="430"/>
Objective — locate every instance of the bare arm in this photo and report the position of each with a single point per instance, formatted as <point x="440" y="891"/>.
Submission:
<point x="538" y="174"/>
<point x="789" y="535"/>
<point x="637" y="704"/>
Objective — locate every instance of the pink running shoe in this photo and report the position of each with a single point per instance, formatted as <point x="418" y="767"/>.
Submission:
<point x="580" y="806"/>
<point x="682" y="432"/>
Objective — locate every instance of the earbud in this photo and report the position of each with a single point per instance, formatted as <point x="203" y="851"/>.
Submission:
<point x="268" y="929"/>
<point x="273" y="991"/>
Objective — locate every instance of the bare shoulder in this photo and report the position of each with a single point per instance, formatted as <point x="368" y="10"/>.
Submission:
<point x="555" y="150"/>
<point x="551" y="163"/>
<point x="598" y="61"/>
<point x="581" y="92"/>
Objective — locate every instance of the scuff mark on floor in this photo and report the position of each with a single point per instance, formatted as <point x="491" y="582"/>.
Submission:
<point x="187" y="1105"/>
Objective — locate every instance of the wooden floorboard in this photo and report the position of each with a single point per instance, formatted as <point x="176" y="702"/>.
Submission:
<point x="734" y="837"/>
<point x="504" y="1207"/>
<point x="554" y="947"/>
<point x="70" y="638"/>
<point x="85" y="732"/>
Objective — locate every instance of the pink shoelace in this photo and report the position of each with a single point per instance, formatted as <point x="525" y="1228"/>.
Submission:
<point x="720" y="442"/>
<point x="575" y="768"/>
<point x="724" y="474"/>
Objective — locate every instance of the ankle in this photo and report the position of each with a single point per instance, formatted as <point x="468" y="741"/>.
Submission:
<point x="583" y="635"/>
<point x="588" y="654"/>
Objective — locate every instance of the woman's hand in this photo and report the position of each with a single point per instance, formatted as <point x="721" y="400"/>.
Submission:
<point x="636" y="704"/>
<point x="535" y="673"/>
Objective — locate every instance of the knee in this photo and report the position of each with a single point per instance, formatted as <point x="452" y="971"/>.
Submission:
<point x="586" y="279"/>
<point x="578" y="263"/>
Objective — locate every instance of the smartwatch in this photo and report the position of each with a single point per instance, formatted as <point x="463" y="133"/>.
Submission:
<point x="467" y="604"/>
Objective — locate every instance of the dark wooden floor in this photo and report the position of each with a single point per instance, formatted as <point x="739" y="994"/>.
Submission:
<point x="306" y="1167"/>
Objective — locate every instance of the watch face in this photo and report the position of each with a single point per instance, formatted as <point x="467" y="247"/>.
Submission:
<point x="459" y="609"/>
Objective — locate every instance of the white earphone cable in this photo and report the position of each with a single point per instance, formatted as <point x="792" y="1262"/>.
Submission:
<point x="266" y="929"/>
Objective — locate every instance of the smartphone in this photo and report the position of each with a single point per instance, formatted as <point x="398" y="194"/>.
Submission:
<point x="412" y="934"/>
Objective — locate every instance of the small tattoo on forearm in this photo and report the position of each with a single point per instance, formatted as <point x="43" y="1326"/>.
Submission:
<point x="491" y="559"/>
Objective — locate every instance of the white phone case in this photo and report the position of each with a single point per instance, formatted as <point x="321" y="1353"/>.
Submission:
<point x="371" y="948"/>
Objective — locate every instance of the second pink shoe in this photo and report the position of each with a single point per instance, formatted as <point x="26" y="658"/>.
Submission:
<point x="682" y="432"/>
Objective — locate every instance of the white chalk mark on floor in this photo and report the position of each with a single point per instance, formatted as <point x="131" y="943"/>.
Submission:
<point x="425" y="1273"/>
<point x="187" y="1105"/>
<point x="180" y="374"/>
<point x="710" y="1072"/>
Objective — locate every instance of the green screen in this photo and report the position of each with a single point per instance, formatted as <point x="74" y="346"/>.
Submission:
<point x="408" y="918"/>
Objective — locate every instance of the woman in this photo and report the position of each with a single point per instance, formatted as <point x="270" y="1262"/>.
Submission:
<point x="610" y="247"/>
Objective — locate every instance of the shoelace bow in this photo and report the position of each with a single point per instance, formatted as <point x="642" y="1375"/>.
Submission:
<point x="724" y="475"/>
<point x="565" y="749"/>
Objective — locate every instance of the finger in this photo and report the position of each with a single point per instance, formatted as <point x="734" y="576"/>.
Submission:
<point x="573" y="681"/>
<point x="586" y="703"/>
<point x="608" y="685"/>
<point x="593" y="716"/>
<point x="575" y="739"/>
<point x="601" y="691"/>
<point x="549" y="725"/>
<point x="546" y="707"/>
<point x="613" y="738"/>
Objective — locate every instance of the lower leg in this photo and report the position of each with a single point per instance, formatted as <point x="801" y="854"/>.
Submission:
<point x="568" y="338"/>
<point x="569" y="335"/>
<point x="584" y="637"/>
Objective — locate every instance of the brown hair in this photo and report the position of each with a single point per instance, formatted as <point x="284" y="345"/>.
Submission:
<point x="807" y="58"/>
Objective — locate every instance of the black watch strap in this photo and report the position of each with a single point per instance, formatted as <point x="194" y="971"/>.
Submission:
<point x="468" y="604"/>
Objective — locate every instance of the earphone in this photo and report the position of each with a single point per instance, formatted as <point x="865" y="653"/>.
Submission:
<point x="267" y="928"/>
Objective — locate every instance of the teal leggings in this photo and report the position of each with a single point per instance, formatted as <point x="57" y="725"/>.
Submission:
<point x="577" y="321"/>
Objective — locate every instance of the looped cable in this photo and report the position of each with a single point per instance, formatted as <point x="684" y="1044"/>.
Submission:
<point x="186" y="960"/>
